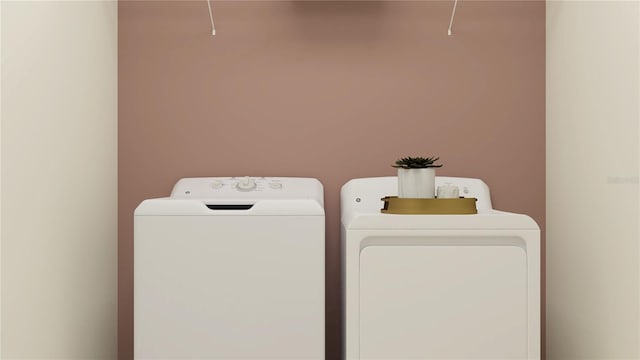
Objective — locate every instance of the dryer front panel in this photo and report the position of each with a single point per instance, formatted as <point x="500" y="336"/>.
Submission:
<point x="443" y="298"/>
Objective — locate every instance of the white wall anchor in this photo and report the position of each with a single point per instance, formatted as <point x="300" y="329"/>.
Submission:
<point x="453" y="14"/>
<point x="213" y="26"/>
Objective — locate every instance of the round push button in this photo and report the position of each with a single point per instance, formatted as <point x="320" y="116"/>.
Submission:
<point x="275" y="185"/>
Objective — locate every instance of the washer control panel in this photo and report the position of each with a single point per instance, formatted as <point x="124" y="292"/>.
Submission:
<point x="246" y="187"/>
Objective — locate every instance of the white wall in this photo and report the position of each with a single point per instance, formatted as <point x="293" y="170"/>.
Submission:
<point x="593" y="83"/>
<point x="0" y="180"/>
<point x="59" y="180"/>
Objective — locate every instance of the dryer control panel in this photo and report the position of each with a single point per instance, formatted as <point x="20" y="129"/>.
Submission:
<point x="247" y="187"/>
<point x="366" y="193"/>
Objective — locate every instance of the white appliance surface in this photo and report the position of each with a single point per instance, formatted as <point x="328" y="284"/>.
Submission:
<point x="228" y="271"/>
<point x="438" y="286"/>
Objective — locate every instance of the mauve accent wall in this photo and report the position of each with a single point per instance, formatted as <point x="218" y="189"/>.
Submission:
<point x="331" y="90"/>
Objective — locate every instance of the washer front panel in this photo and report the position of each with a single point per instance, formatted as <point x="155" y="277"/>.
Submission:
<point x="229" y="287"/>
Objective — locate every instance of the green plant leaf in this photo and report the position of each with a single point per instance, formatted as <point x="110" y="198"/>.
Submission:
<point x="418" y="162"/>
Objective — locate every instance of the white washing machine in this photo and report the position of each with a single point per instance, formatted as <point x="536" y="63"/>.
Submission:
<point x="438" y="286"/>
<point x="231" y="268"/>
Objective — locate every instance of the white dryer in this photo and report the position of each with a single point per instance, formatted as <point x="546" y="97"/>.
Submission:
<point x="438" y="286"/>
<point x="231" y="268"/>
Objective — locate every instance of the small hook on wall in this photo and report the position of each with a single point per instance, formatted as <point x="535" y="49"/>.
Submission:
<point x="453" y="14"/>
<point x="213" y="26"/>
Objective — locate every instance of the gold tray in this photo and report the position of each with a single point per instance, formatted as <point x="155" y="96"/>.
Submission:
<point x="396" y="205"/>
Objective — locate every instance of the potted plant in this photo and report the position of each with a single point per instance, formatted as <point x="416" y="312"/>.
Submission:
<point x="417" y="177"/>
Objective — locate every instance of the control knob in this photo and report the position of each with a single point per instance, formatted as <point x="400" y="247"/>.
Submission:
<point x="246" y="184"/>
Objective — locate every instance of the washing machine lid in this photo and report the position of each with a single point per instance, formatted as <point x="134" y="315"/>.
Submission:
<point x="484" y="220"/>
<point x="242" y="196"/>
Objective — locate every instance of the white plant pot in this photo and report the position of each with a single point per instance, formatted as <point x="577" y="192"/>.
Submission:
<point x="417" y="183"/>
